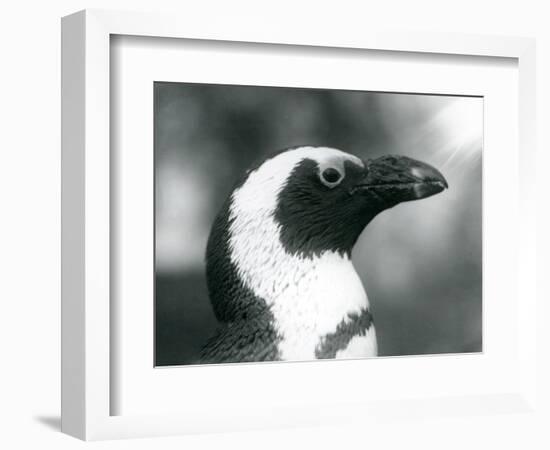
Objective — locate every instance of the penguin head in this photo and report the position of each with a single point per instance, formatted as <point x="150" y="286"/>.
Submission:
<point x="322" y="198"/>
<point x="296" y="206"/>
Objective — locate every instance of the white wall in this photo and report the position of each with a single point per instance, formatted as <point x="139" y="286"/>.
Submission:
<point x="29" y="227"/>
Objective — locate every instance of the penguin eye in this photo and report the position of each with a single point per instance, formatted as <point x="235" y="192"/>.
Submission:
<point x="331" y="177"/>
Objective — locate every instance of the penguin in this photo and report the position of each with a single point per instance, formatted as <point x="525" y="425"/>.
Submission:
<point x="278" y="260"/>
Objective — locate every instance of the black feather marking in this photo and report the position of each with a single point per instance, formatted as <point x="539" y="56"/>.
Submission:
<point x="356" y="325"/>
<point x="250" y="340"/>
<point x="315" y="218"/>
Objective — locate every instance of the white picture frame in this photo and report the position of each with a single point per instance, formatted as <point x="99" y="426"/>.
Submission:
<point x="86" y="220"/>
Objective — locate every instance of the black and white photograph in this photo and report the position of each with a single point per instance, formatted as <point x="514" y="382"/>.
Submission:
<point x="299" y="224"/>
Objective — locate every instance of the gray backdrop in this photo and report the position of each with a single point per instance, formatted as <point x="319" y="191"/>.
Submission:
<point x="420" y="262"/>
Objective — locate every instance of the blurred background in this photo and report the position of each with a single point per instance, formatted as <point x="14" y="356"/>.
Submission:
<point x="421" y="262"/>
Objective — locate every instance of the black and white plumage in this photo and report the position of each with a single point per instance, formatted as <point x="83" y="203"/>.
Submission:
<point x="279" y="270"/>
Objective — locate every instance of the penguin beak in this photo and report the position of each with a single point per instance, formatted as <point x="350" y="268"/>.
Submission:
<point x="395" y="179"/>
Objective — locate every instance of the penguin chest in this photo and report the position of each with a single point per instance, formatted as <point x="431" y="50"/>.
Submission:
<point x="323" y="312"/>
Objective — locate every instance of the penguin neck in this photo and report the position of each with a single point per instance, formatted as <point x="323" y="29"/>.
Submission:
<point x="308" y="297"/>
<point x="319" y="298"/>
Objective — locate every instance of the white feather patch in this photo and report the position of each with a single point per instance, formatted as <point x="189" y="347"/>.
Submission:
<point x="308" y="297"/>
